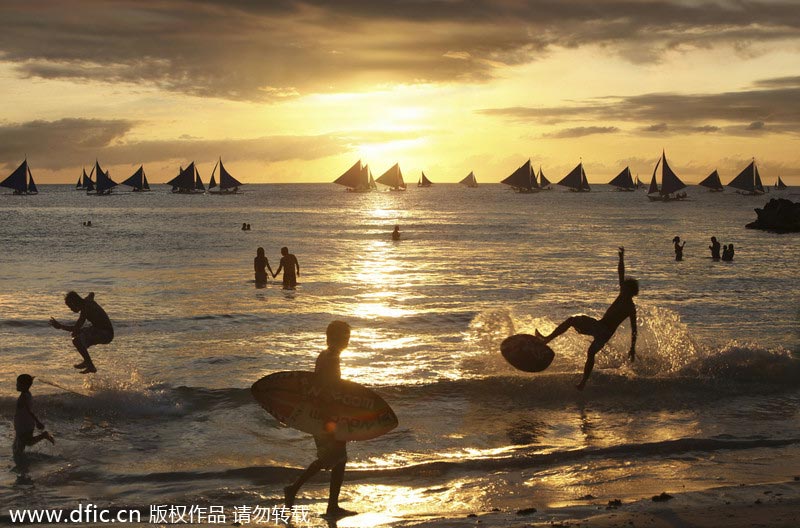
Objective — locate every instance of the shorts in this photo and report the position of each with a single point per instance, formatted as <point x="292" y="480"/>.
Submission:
<point x="289" y="280"/>
<point x="330" y="452"/>
<point x="21" y="440"/>
<point x="585" y="325"/>
<point x="89" y="336"/>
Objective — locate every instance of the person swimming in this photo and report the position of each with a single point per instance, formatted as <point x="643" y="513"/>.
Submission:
<point x="714" y="247"/>
<point x="396" y="233"/>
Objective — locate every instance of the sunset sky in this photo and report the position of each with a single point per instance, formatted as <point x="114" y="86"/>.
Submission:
<point x="297" y="91"/>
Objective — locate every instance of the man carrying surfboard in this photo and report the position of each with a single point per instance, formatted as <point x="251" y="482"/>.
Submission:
<point x="622" y="308"/>
<point x="100" y="332"/>
<point x="331" y="453"/>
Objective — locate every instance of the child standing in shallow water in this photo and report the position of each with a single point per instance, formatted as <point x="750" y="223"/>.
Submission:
<point x="24" y="419"/>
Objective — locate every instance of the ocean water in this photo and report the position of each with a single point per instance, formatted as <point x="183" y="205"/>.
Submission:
<point x="712" y="399"/>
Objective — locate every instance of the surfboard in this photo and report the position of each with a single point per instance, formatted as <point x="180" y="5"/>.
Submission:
<point x="527" y="352"/>
<point x="346" y="409"/>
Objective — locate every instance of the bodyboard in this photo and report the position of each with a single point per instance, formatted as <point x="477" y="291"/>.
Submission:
<point x="345" y="409"/>
<point x="527" y="352"/>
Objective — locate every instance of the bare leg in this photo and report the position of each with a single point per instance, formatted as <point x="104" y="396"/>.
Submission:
<point x="337" y="477"/>
<point x="560" y="329"/>
<point x="84" y="352"/>
<point x="290" y="491"/>
<point x="594" y="348"/>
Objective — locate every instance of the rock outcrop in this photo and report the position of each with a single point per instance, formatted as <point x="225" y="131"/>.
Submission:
<point x="779" y="215"/>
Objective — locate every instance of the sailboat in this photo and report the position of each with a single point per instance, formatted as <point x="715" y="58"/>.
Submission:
<point x="187" y="181"/>
<point x="227" y="183"/>
<point x="356" y="179"/>
<point x="367" y="175"/>
<point x="748" y="182"/>
<point x="544" y="183"/>
<point x="138" y="181"/>
<point x="393" y="178"/>
<point x="779" y="185"/>
<point x="85" y="182"/>
<point x="638" y="183"/>
<point x="712" y="182"/>
<point x="470" y="181"/>
<point x="21" y="180"/>
<point x="424" y="181"/>
<point x="523" y="180"/>
<point x="576" y="180"/>
<point x="670" y="183"/>
<point x="103" y="184"/>
<point x="623" y="181"/>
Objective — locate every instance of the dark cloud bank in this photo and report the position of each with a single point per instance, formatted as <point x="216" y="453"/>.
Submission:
<point x="269" y="50"/>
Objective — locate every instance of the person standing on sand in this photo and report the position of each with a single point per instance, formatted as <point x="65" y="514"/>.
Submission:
<point x="261" y="265"/>
<point x="331" y="453"/>
<point x="622" y="308"/>
<point x="100" y="332"/>
<point x="290" y="267"/>
<point x="678" y="248"/>
<point x="714" y="247"/>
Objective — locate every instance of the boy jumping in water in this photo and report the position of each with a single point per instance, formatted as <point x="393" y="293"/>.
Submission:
<point x="622" y="308"/>
<point x="25" y="421"/>
<point x="331" y="453"/>
<point x="100" y="332"/>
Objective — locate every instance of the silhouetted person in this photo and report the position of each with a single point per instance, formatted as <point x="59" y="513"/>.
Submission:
<point x="100" y="332"/>
<point x="290" y="267"/>
<point x="244" y="227"/>
<point x="396" y="233"/>
<point x="622" y="308"/>
<point x="261" y="265"/>
<point x="678" y="247"/>
<point x="25" y="421"/>
<point x="727" y="253"/>
<point x="331" y="453"/>
<point x="248" y="227"/>
<point x="714" y="247"/>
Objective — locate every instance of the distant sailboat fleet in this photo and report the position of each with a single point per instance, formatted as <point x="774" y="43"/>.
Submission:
<point x="358" y="178"/>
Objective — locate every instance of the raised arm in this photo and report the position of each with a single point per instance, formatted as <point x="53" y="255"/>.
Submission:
<point x="621" y="265"/>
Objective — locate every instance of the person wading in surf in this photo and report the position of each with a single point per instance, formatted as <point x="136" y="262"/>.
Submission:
<point x="290" y="267"/>
<point x="331" y="453"/>
<point x="100" y="332"/>
<point x="622" y="308"/>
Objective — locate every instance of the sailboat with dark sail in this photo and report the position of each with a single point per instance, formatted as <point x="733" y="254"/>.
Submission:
<point x="544" y="183"/>
<point x="779" y="185"/>
<point x="712" y="182"/>
<point x="138" y="181"/>
<point x="103" y="184"/>
<point x="623" y="181"/>
<point x="393" y="178"/>
<point x="748" y="182"/>
<point x="356" y="178"/>
<point x="638" y="183"/>
<point x="187" y="181"/>
<point x="424" y="181"/>
<point x="670" y="183"/>
<point x="227" y="183"/>
<point x="523" y="180"/>
<point x="85" y="182"/>
<point x="470" y="181"/>
<point x="576" y="180"/>
<point x="21" y="180"/>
